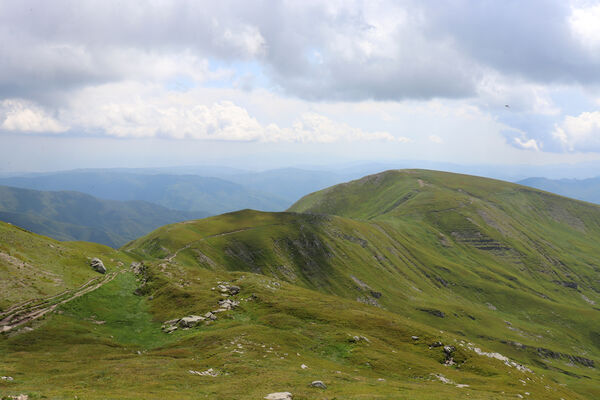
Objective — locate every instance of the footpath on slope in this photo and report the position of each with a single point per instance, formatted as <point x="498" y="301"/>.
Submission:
<point x="170" y="257"/>
<point x="33" y="309"/>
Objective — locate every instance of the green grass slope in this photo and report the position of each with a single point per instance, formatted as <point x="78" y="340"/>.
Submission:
<point x="109" y="344"/>
<point x="78" y="216"/>
<point x="509" y="266"/>
<point x="505" y="274"/>
<point x="34" y="266"/>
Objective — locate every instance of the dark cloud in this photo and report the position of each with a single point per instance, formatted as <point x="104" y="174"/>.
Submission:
<point x="532" y="39"/>
<point x="315" y="50"/>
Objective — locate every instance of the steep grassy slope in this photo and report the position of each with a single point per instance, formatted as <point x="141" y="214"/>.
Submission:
<point x="508" y="266"/>
<point x="34" y="266"/>
<point x="178" y="192"/>
<point x="78" y="216"/>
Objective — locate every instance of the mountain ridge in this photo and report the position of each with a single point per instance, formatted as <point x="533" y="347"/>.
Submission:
<point x="424" y="284"/>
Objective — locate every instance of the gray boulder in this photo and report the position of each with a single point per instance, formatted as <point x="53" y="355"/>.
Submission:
<point x="449" y="349"/>
<point x="190" y="322"/>
<point x="98" y="265"/>
<point x="210" y="315"/>
<point x="169" y="329"/>
<point x="318" y="384"/>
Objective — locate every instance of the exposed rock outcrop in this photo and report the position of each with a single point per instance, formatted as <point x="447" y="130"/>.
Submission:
<point x="98" y="265"/>
<point x="192" y="321"/>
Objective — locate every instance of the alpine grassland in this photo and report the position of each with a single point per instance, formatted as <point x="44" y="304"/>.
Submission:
<point x="408" y="284"/>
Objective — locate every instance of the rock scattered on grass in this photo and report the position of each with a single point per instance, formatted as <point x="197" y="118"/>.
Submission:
<point x="7" y="378"/>
<point x="98" y="265"/>
<point x="209" y="372"/>
<point x="447" y="381"/>
<point x="449" y="350"/>
<point x="358" y="338"/>
<point x="194" y="320"/>
<point x="190" y="322"/>
<point x="228" y="304"/>
<point x="318" y="384"/>
<point x="303" y="366"/>
<point x="279" y="396"/>
<point x="414" y="337"/>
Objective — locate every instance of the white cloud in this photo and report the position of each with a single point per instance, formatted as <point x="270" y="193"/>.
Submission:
<point x="580" y="133"/>
<point x="436" y="139"/>
<point x="315" y="128"/>
<point x="135" y="110"/>
<point x="19" y="115"/>
<point x="585" y="25"/>
<point x="530" y="144"/>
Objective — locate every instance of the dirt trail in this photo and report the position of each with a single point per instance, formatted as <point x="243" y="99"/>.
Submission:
<point x="170" y="257"/>
<point x="25" y="312"/>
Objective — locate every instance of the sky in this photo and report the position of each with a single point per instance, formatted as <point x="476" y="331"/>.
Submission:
<point x="259" y="84"/>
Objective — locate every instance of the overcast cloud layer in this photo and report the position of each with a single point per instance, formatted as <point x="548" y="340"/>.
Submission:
<point x="409" y="74"/>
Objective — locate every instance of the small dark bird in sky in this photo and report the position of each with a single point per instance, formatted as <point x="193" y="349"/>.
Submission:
<point x="507" y="106"/>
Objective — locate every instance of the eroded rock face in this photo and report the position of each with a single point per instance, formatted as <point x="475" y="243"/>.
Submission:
<point x="279" y="396"/>
<point x="98" y="265"/>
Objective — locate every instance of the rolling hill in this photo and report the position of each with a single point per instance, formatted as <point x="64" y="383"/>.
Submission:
<point x="404" y="284"/>
<point x="78" y="216"/>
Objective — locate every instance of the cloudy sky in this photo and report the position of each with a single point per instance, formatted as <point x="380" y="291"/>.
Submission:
<point x="251" y="83"/>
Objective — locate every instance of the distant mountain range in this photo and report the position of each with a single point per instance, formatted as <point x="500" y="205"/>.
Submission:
<point x="580" y="189"/>
<point x="127" y="203"/>
<point x="179" y="192"/>
<point x="79" y="216"/>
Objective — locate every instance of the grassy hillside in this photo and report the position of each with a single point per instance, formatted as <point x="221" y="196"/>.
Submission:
<point x="257" y="349"/>
<point x="34" y="266"/>
<point x="502" y="263"/>
<point x="361" y="289"/>
<point x="78" y="216"/>
<point x="178" y="192"/>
